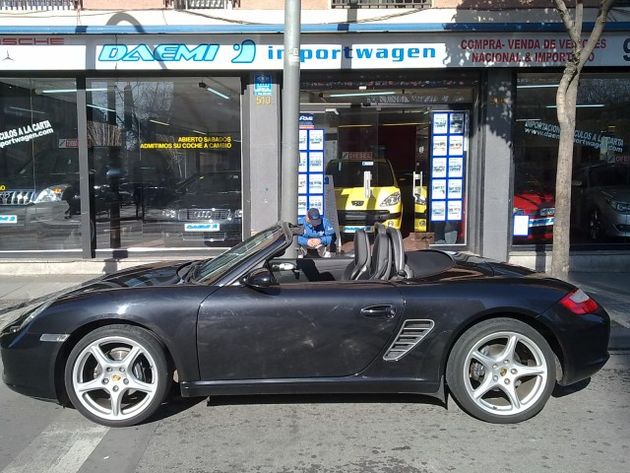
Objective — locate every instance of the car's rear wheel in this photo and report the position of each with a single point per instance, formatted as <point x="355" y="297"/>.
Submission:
<point x="117" y="375"/>
<point x="501" y="371"/>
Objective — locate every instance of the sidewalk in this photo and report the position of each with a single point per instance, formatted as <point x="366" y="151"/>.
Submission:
<point x="612" y="290"/>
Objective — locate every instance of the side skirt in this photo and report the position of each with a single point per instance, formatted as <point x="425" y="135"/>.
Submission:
<point x="345" y="385"/>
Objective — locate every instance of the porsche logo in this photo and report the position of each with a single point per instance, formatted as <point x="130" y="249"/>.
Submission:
<point x="357" y="203"/>
<point x="116" y="378"/>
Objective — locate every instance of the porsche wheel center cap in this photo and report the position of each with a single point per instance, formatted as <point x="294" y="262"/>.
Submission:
<point x="503" y="371"/>
<point x="116" y="378"/>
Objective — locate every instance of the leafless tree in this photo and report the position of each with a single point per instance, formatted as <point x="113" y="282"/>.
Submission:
<point x="566" y="101"/>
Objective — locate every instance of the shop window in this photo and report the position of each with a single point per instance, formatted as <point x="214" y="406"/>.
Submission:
<point x="600" y="204"/>
<point x="166" y="159"/>
<point x="380" y="148"/>
<point x="39" y="167"/>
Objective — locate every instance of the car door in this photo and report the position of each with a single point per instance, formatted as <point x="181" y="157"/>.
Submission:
<point x="296" y="330"/>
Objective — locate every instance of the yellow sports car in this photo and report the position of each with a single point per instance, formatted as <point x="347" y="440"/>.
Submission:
<point x="366" y="193"/>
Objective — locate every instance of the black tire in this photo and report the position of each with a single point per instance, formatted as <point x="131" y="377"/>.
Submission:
<point x="481" y="373"/>
<point x="148" y="370"/>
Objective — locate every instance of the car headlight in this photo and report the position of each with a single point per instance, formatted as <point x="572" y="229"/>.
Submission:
<point x="238" y="213"/>
<point x="391" y="199"/>
<point x="28" y="317"/>
<point x="518" y="211"/>
<point x="547" y="212"/>
<point x="619" y="206"/>
<point x="51" y="194"/>
<point x="419" y="199"/>
<point x="170" y="214"/>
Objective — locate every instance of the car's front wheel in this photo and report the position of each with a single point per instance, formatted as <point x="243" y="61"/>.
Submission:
<point x="117" y="375"/>
<point x="501" y="371"/>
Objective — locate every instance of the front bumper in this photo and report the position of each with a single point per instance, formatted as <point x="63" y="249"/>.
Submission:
<point x="196" y="230"/>
<point x="29" y="364"/>
<point x="583" y="340"/>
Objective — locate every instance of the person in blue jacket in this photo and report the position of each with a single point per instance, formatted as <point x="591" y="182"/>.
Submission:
<point x="319" y="234"/>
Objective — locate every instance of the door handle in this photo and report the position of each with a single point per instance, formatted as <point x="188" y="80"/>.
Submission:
<point x="382" y="310"/>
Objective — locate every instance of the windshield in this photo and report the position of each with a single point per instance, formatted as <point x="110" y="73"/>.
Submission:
<point x="350" y="173"/>
<point x="217" y="182"/>
<point x="210" y="270"/>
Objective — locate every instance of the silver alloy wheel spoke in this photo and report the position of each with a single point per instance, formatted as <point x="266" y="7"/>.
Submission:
<point x="127" y="363"/>
<point x="93" y="385"/>
<point x="115" y="398"/>
<point x="512" y="395"/>
<point x="101" y="358"/>
<point x="484" y="387"/>
<point x="524" y="371"/>
<point x="485" y="360"/>
<point x="510" y="346"/>
<point x="140" y="385"/>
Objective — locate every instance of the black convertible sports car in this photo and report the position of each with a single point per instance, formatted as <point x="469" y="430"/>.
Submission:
<point x="497" y="337"/>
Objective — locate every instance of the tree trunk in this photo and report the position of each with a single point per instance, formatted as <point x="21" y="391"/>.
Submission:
<point x="566" y="101"/>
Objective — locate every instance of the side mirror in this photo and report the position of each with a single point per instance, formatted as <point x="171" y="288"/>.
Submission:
<point x="260" y="278"/>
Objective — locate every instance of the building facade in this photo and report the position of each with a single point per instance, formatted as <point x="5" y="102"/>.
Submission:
<point x="156" y="131"/>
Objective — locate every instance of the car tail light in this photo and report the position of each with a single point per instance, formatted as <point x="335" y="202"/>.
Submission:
<point x="579" y="302"/>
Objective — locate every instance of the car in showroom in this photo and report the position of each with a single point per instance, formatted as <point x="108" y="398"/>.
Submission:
<point x="601" y="200"/>
<point x="366" y="193"/>
<point x="250" y="321"/>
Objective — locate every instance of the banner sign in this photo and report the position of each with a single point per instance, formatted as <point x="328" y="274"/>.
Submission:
<point x="318" y="51"/>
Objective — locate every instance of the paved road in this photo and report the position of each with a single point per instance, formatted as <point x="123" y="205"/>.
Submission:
<point x="583" y="431"/>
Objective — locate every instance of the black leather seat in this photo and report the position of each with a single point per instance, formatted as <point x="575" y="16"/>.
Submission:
<point x="399" y="267"/>
<point x="359" y="268"/>
<point x="381" y="260"/>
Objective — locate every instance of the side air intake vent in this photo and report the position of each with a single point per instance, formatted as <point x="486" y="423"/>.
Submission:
<point x="411" y="333"/>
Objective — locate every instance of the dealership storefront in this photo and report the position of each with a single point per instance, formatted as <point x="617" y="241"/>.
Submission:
<point x="112" y="146"/>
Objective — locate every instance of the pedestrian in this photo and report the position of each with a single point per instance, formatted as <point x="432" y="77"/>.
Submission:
<point x="318" y="236"/>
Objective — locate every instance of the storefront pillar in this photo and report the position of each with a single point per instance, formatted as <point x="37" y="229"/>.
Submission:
<point x="497" y="157"/>
<point x="261" y="154"/>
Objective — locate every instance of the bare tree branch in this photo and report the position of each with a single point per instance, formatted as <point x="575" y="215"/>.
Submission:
<point x="598" y="28"/>
<point x="568" y="21"/>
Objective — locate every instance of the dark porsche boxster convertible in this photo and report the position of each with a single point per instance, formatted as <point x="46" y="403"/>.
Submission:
<point x="497" y="337"/>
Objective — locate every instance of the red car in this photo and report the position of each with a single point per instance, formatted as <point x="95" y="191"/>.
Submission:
<point x="539" y="206"/>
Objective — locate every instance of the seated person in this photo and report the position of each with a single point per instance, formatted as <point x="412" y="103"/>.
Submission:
<point x="319" y="234"/>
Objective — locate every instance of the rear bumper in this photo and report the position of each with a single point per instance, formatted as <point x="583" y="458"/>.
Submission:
<point x="583" y="340"/>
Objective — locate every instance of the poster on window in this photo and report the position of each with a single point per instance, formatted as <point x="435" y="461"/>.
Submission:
<point x="303" y="142"/>
<point x="457" y="123"/>
<point x="440" y="123"/>
<point x="302" y="200"/>
<point x="455" y="188"/>
<point x="454" y="210"/>
<point x="302" y="180"/>
<point x="438" y="189"/>
<point x="439" y="167"/>
<point x="316" y="162"/>
<point x="456" y="146"/>
<point x="456" y="167"/>
<point x="438" y="211"/>
<point x="315" y="184"/>
<point x="316" y="140"/>
<point x="302" y="165"/>
<point x="316" y="201"/>
<point x="440" y="147"/>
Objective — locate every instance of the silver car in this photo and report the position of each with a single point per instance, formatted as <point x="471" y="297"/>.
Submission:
<point x="602" y="200"/>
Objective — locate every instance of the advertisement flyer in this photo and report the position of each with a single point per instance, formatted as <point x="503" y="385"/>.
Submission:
<point x="302" y="205"/>
<point x="440" y="123"/>
<point x="457" y="123"/>
<point x="456" y="167"/>
<point x="302" y="184"/>
<point x="440" y="145"/>
<point x="454" y="210"/>
<point x="316" y="162"/>
<point x="438" y="211"/>
<point x="439" y="167"/>
<point x="303" y="143"/>
<point x="438" y="189"/>
<point x="316" y="140"/>
<point x="455" y="188"/>
<point x="302" y="165"/>
<point x="316" y="201"/>
<point x="315" y="184"/>
<point x="456" y="145"/>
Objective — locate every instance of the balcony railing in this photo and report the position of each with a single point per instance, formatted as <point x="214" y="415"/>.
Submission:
<point x="38" y="4"/>
<point x="202" y="4"/>
<point x="381" y="3"/>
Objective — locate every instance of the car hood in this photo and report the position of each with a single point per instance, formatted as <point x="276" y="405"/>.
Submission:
<point x="618" y="193"/>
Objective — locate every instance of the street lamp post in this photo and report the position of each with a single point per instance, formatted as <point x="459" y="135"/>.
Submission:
<point x="290" y="112"/>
